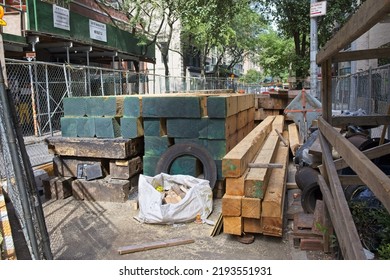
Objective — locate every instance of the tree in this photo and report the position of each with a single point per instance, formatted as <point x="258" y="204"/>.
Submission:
<point x="207" y="24"/>
<point x="251" y="77"/>
<point x="292" y="19"/>
<point x="277" y="54"/>
<point x="248" y="25"/>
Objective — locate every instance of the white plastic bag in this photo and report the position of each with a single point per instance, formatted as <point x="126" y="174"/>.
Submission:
<point x="198" y="199"/>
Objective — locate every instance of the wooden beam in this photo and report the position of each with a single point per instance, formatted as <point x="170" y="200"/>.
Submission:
<point x="372" y="153"/>
<point x="362" y="55"/>
<point x="348" y="180"/>
<point x="326" y="90"/>
<point x="343" y="241"/>
<point x="370" y="174"/>
<point x="369" y="13"/>
<point x="293" y="137"/>
<point x="235" y="162"/>
<point x="154" y="245"/>
<point x="354" y="249"/>
<point x="369" y="120"/>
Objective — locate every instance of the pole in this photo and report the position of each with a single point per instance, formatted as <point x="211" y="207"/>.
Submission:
<point x="313" y="54"/>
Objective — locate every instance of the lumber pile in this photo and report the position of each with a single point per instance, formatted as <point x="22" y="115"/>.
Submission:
<point x="272" y="104"/>
<point x="216" y="122"/>
<point x="118" y="137"/>
<point x="254" y="198"/>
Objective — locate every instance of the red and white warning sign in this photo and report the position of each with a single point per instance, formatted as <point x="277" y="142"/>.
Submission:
<point x="318" y="9"/>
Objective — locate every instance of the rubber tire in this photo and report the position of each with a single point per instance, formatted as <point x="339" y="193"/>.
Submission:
<point x="191" y="149"/>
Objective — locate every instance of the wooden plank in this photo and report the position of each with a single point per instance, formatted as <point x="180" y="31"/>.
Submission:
<point x="368" y="120"/>
<point x="369" y="13"/>
<point x="132" y="106"/>
<point x="362" y="55"/>
<point x="231" y="205"/>
<point x="154" y="245"/>
<point x="233" y="225"/>
<point x="107" y="127"/>
<point x="94" y="147"/>
<point x="250" y="207"/>
<point x="235" y="186"/>
<point x="273" y="202"/>
<point x="131" y="127"/>
<point x="252" y="225"/>
<point x="157" y="145"/>
<point x="57" y="187"/>
<point x="370" y="174"/>
<point x="188" y="128"/>
<point x="293" y="137"/>
<point x="326" y="90"/>
<point x="235" y="162"/>
<point x="222" y="106"/>
<point x="343" y="241"/>
<point x="68" y="126"/>
<point x="65" y="166"/>
<point x="171" y="106"/>
<point x="340" y="203"/>
<point x="154" y="127"/>
<point x="372" y="153"/>
<point x="257" y="179"/>
<point x="242" y="119"/>
<point x="86" y="127"/>
<point x="126" y="168"/>
<point x="75" y="106"/>
<point x="217" y="226"/>
<point x="110" y="190"/>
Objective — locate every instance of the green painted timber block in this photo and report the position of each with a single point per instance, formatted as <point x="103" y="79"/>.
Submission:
<point x="186" y="165"/>
<point x="86" y="127"/>
<point x="171" y="106"/>
<point x="149" y="165"/>
<point x="112" y="106"/>
<point x="217" y="148"/>
<point x="68" y="126"/>
<point x="221" y="106"/>
<point x="107" y="127"/>
<point x="215" y="129"/>
<point x="218" y="163"/>
<point x="184" y="128"/>
<point x="75" y="106"/>
<point x="198" y="141"/>
<point x="131" y="127"/>
<point x="132" y="106"/>
<point x="94" y="106"/>
<point x="155" y="127"/>
<point x="157" y="145"/>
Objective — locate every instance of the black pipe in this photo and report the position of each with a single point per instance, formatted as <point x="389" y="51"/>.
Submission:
<point x="19" y="178"/>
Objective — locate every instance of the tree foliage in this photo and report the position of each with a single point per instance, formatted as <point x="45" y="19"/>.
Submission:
<point x="293" y="20"/>
<point x="277" y="54"/>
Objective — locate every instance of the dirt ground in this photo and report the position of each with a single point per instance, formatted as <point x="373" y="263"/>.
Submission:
<point x="83" y="230"/>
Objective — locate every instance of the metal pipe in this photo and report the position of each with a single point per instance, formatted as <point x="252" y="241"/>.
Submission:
<point x="32" y="185"/>
<point x="11" y="140"/>
<point x="48" y="100"/>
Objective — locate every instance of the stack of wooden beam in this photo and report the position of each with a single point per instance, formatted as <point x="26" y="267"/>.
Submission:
<point x="254" y="198"/>
<point x="99" y="155"/>
<point x="215" y="121"/>
<point x="272" y="103"/>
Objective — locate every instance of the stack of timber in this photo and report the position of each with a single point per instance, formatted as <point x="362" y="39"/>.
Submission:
<point x="99" y="155"/>
<point x="272" y="103"/>
<point x="216" y="122"/>
<point x="254" y="198"/>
